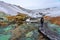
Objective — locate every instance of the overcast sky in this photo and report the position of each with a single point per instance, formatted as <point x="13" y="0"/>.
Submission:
<point x="34" y="4"/>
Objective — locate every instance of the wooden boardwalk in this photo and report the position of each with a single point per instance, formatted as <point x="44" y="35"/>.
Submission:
<point x="50" y="34"/>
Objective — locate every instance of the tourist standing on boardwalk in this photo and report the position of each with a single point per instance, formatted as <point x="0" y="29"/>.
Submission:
<point x="42" y="21"/>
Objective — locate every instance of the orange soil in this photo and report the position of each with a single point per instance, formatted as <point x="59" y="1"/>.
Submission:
<point x="54" y="20"/>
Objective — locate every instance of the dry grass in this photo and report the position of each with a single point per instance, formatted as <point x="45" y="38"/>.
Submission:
<point x="54" y="20"/>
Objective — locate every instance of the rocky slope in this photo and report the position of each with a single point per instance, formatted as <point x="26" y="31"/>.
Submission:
<point x="14" y="9"/>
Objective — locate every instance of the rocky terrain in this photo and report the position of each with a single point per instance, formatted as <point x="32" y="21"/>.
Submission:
<point x="16" y="28"/>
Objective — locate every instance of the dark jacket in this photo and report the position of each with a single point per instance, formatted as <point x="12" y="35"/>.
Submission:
<point x="42" y="21"/>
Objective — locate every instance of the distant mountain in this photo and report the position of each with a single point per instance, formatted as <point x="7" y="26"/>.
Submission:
<point x="14" y="9"/>
<point x="11" y="9"/>
<point x="53" y="12"/>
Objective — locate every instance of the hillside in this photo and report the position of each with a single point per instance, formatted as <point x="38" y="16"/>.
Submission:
<point x="14" y="9"/>
<point x="53" y="20"/>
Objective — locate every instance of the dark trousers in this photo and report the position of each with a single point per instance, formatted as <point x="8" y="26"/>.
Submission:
<point x="41" y="24"/>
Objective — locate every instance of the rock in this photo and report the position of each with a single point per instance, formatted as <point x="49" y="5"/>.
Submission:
<point x="29" y="34"/>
